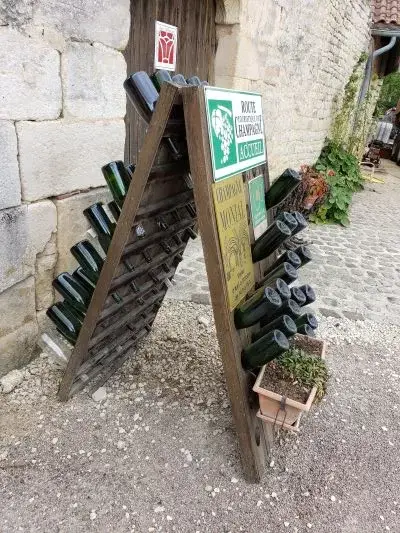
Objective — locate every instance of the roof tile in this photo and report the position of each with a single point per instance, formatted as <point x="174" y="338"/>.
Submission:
<point x="386" y="11"/>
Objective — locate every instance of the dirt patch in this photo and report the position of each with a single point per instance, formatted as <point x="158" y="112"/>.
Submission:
<point x="277" y="379"/>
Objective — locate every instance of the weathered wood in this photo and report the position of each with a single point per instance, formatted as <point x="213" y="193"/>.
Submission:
<point x="253" y="446"/>
<point x="143" y="168"/>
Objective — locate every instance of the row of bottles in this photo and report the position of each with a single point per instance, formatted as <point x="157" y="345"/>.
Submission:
<point x="275" y="306"/>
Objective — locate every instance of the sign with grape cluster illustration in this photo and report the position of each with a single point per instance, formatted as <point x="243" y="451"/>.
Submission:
<point x="235" y="130"/>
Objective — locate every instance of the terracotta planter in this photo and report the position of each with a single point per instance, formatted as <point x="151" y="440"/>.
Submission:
<point x="282" y="411"/>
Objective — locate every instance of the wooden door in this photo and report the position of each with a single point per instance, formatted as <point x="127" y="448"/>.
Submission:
<point x="195" y="20"/>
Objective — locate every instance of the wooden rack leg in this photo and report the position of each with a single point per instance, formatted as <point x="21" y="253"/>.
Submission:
<point x="252" y="439"/>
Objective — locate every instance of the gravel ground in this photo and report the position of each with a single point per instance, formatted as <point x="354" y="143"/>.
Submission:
<point x="159" y="452"/>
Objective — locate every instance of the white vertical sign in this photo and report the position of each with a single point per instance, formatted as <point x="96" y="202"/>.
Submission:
<point x="166" y="41"/>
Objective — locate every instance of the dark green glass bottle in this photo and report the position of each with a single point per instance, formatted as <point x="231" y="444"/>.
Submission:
<point x="179" y="79"/>
<point x="282" y="288"/>
<point x="270" y="240"/>
<point x="89" y="259"/>
<point x="72" y="291"/>
<point x="194" y="80"/>
<point x="307" y="319"/>
<point x="264" y="302"/>
<point x="298" y="296"/>
<point x="285" y="271"/>
<point x="284" y="323"/>
<point x="101" y="223"/>
<point x="81" y="277"/>
<point x="115" y="209"/>
<point x="118" y="180"/>
<point x="304" y="254"/>
<point x="287" y="257"/>
<point x="264" y="350"/>
<point x="282" y="187"/>
<point x="290" y="307"/>
<point x="65" y="321"/>
<point x="301" y="222"/>
<point x="306" y="330"/>
<point x="288" y="219"/>
<point x="309" y="293"/>
<point x="142" y="93"/>
<point x="159" y="77"/>
<point x="131" y="170"/>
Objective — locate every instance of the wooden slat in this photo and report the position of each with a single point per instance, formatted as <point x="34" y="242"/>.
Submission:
<point x="121" y="235"/>
<point x="253" y="446"/>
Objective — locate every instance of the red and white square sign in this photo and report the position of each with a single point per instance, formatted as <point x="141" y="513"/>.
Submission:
<point x="165" y="48"/>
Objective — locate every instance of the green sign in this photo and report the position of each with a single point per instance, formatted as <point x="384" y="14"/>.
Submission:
<point x="257" y="205"/>
<point x="236" y="131"/>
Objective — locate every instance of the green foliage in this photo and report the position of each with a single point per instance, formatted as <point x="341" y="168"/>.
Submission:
<point x="344" y="178"/>
<point x="307" y="370"/>
<point x="390" y="93"/>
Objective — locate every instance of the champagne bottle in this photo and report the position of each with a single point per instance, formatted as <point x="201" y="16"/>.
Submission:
<point x="142" y="94"/>
<point x="115" y="209"/>
<point x="307" y="319"/>
<point x="301" y="222"/>
<point x="194" y="80"/>
<point x="101" y="223"/>
<point x="298" y="296"/>
<point x="270" y="240"/>
<point x="264" y="302"/>
<point x="284" y="323"/>
<point x="81" y="277"/>
<point x="282" y="187"/>
<point x="179" y="79"/>
<point x="89" y="259"/>
<point x="287" y="257"/>
<point x="282" y="288"/>
<point x="66" y="322"/>
<point x="72" y="291"/>
<point x="285" y="271"/>
<point x="118" y="180"/>
<point x="288" y="219"/>
<point x="309" y="293"/>
<point x="290" y="307"/>
<point x="264" y="349"/>
<point x="306" y="330"/>
<point x="159" y="77"/>
<point x="304" y="254"/>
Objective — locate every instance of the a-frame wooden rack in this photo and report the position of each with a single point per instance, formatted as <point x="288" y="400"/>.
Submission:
<point x="162" y="201"/>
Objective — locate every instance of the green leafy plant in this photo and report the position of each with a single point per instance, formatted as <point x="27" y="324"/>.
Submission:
<point x="344" y="177"/>
<point x="307" y="370"/>
<point x="389" y="95"/>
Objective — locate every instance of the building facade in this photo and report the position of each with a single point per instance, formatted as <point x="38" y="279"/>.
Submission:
<point x="62" y="109"/>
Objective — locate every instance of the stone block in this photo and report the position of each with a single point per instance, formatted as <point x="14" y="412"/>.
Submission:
<point x="69" y="155"/>
<point x="87" y="20"/>
<point x="17" y="306"/>
<point x="72" y="224"/>
<point x="24" y="232"/>
<point x="10" y="188"/>
<point x="19" y="347"/>
<point x="92" y="81"/>
<point x="30" y="83"/>
<point x="44" y="274"/>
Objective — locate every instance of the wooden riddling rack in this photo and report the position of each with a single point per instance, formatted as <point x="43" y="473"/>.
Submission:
<point x="162" y="189"/>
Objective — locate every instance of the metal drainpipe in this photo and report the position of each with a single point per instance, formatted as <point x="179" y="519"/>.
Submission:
<point x="368" y="67"/>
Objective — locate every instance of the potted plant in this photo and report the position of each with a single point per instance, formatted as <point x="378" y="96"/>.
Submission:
<point x="288" y="386"/>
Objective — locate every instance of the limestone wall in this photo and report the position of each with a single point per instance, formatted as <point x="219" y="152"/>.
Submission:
<point x="61" y="118"/>
<point x="299" y="55"/>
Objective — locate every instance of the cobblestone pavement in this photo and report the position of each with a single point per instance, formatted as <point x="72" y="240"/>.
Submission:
<point x="355" y="270"/>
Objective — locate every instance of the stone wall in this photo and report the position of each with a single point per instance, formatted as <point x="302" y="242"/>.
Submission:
<point x="299" y="55"/>
<point x="62" y="113"/>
